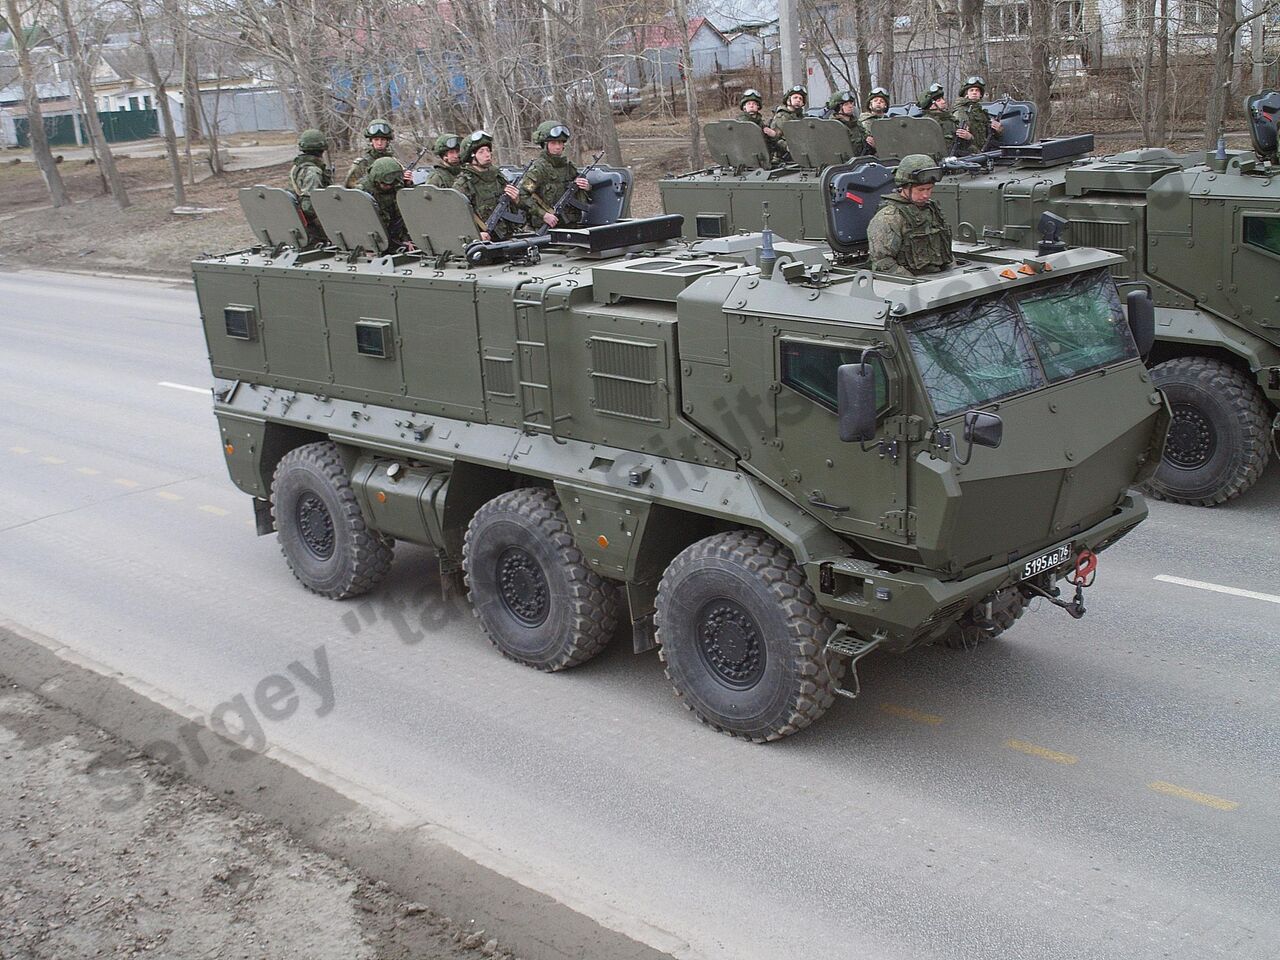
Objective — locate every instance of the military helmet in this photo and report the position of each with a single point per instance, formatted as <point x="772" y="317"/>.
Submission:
<point x="386" y="170"/>
<point x="446" y="142"/>
<point x="878" y="92"/>
<point x="312" y="141"/>
<point x="799" y="88"/>
<point x="839" y="97"/>
<point x="915" y="169"/>
<point x="550" y="130"/>
<point x="379" y="128"/>
<point x="935" y="92"/>
<point x="474" y="141"/>
<point x="974" y="81"/>
<point x="751" y="94"/>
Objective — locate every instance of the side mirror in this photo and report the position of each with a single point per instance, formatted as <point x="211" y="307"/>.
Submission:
<point x="983" y="429"/>
<point x="856" y="401"/>
<point x="1142" y="319"/>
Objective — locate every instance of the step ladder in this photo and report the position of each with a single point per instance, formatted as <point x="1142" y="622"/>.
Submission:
<point x="842" y="643"/>
<point x="532" y="338"/>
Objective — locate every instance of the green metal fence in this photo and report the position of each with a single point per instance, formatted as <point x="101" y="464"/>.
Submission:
<point x="120" y="126"/>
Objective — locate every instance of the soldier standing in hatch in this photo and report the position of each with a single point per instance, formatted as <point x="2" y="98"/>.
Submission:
<point x="792" y="109"/>
<point x="843" y="106"/>
<point x="934" y="104"/>
<point x="751" y="104"/>
<point x="383" y="181"/>
<point x="877" y="107"/>
<point x="482" y="183"/>
<point x="551" y="175"/>
<point x="444" y="172"/>
<point x="379" y="134"/>
<point x="908" y="236"/>
<point x="309" y="173"/>
<point x="974" y="126"/>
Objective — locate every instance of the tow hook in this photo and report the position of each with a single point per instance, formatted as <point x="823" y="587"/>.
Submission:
<point x="1081" y="576"/>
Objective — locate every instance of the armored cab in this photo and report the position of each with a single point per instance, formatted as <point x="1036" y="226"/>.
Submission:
<point x="765" y="464"/>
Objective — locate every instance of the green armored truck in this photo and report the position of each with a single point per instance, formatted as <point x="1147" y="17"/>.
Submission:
<point x="766" y="465"/>
<point x="1202" y="234"/>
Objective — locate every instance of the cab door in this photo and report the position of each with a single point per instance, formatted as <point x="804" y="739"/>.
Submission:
<point x="1255" y="265"/>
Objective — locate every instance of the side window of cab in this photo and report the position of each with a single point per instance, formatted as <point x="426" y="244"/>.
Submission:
<point x="809" y="368"/>
<point x="1263" y="233"/>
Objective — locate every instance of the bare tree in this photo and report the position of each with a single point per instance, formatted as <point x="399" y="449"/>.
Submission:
<point x="35" y="119"/>
<point x="681" y="11"/>
<point x="1224" y="55"/>
<point x="162" y="101"/>
<point x="1041" y="61"/>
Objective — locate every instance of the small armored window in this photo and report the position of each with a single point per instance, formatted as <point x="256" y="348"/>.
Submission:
<point x="1263" y="232"/>
<point x="810" y="370"/>
<point x="710" y="225"/>
<point x="239" y="322"/>
<point x="373" y="338"/>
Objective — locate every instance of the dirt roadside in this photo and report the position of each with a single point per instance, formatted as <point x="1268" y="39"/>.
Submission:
<point x="109" y="854"/>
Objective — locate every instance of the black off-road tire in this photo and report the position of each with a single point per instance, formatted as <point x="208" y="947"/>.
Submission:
<point x="322" y="532"/>
<point x="967" y="633"/>
<point x="534" y="594"/>
<point x="742" y="637"/>
<point x="1218" y="442"/>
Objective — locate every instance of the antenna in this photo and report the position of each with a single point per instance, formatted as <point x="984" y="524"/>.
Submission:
<point x="767" y="255"/>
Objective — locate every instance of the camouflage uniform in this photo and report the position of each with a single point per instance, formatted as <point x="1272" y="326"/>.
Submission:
<point x="309" y="173"/>
<point x="483" y="188"/>
<point x="857" y="132"/>
<point x="548" y="178"/>
<point x="944" y="119"/>
<point x="384" y="199"/>
<point x="443" y="175"/>
<point x="361" y="164"/>
<point x="775" y="152"/>
<point x="977" y="121"/>
<point x="908" y="239"/>
<point x="783" y="113"/>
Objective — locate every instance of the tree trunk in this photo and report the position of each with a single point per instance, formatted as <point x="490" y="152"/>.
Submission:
<point x="972" y="46"/>
<point x="1162" y="77"/>
<point x="1041" y="66"/>
<point x="162" y="102"/>
<point x="600" y="95"/>
<point x="681" y="11"/>
<point x="1146" y="112"/>
<point x="80" y="71"/>
<point x="1223" y="62"/>
<point x="888" y="17"/>
<point x="862" y="48"/>
<point x="35" y="119"/>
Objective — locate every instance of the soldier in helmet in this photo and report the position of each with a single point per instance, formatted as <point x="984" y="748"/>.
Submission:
<point x="309" y="173"/>
<point x="448" y="150"/>
<point x="908" y="236"/>
<point x="877" y="107"/>
<point x="383" y="181"/>
<point x="843" y="107"/>
<point x="482" y="183"/>
<point x="379" y="134"/>
<point x="934" y="104"/>
<point x="974" y="126"/>
<point x="751" y="104"/>
<point x="792" y="109"/>
<point x="550" y="175"/>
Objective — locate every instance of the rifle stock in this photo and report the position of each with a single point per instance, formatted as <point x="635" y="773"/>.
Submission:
<point x="567" y="199"/>
<point x="502" y="211"/>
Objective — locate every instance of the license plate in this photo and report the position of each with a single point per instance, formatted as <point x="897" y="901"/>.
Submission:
<point x="1034" y="566"/>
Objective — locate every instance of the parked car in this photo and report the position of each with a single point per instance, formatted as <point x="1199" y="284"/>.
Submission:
<point x="581" y="93"/>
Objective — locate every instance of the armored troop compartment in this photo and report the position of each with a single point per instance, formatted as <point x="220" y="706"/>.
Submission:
<point x="767" y="465"/>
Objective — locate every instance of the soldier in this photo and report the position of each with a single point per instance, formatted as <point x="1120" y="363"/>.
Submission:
<point x="792" y="109"/>
<point x="309" y="173"/>
<point x="444" y="172"/>
<point x="383" y="181"/>
<point x="908" y="236"/>
<point x="379" y="135"/>
<point x="752" y="103"/>
<point x="482" y="183"/>
<point x="551" y="175"/>
<point x="974" y="126"/>
<point x="934" y="104"/>
<point x="843" y="105"/>
<point x="877" y="107"/>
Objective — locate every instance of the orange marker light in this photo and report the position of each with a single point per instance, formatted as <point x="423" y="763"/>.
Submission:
<point x="1008" y="274"/>
<point x="603" y="541"/>
<point x="229" y="448"/>
<point x="1048" y="267"/>
<point x="382" y="497"/>
<point x="1026" y="270"/>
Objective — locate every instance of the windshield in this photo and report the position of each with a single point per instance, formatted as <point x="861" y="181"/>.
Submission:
<point x="1001" y="346"/>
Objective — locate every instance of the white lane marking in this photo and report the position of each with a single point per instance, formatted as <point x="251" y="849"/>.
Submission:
<point x="1219" y="588"/>
<point x="183" y="386"/>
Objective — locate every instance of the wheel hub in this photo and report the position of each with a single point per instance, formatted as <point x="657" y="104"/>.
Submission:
<point x="315" y="526"/>
<point x="730" y="644"/>
<point x="1192" y="440"/>
<point x="523" y="586"/>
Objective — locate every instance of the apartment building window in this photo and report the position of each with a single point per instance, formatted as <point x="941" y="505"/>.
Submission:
<point x="1007" y="20"/>
<point x="1199" y="15"/>
<point x="1069" y="16"/>
<point x="1132" y="12"/>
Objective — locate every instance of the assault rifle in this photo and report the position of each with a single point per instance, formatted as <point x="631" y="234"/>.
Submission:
<point x="503" y="212"/>
<point x="569" y="198"/>
<point x="994" y="137"/>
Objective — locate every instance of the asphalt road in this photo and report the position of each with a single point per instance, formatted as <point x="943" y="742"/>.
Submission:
<point x="1103" y="788"/>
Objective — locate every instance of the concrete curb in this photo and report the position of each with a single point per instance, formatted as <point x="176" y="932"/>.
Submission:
<point x="367" y="832"/>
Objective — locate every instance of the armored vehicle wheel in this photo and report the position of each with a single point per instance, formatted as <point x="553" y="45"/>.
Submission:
<point x="1217" y="445"/>
<point x="1006" y="610"/>
<point x="534" y="594"/>
<point x="743" y="638"/>
<point x="322" y="532"/>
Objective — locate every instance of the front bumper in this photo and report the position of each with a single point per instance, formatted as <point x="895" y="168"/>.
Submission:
<point x="906" y="608"/>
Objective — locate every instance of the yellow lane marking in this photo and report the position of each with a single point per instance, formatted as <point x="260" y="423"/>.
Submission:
<point x="88" y="471"/>
<point x="166" y="495"/>
<point x="125" y="483"/>
<point x="216" y="511"/>
<point x="52" y="460"/>
<point x="1207" y="799"/>
<point x="906" y="713"/>
<point x="20" y="450"/>
<point x="1044" y="753"/>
